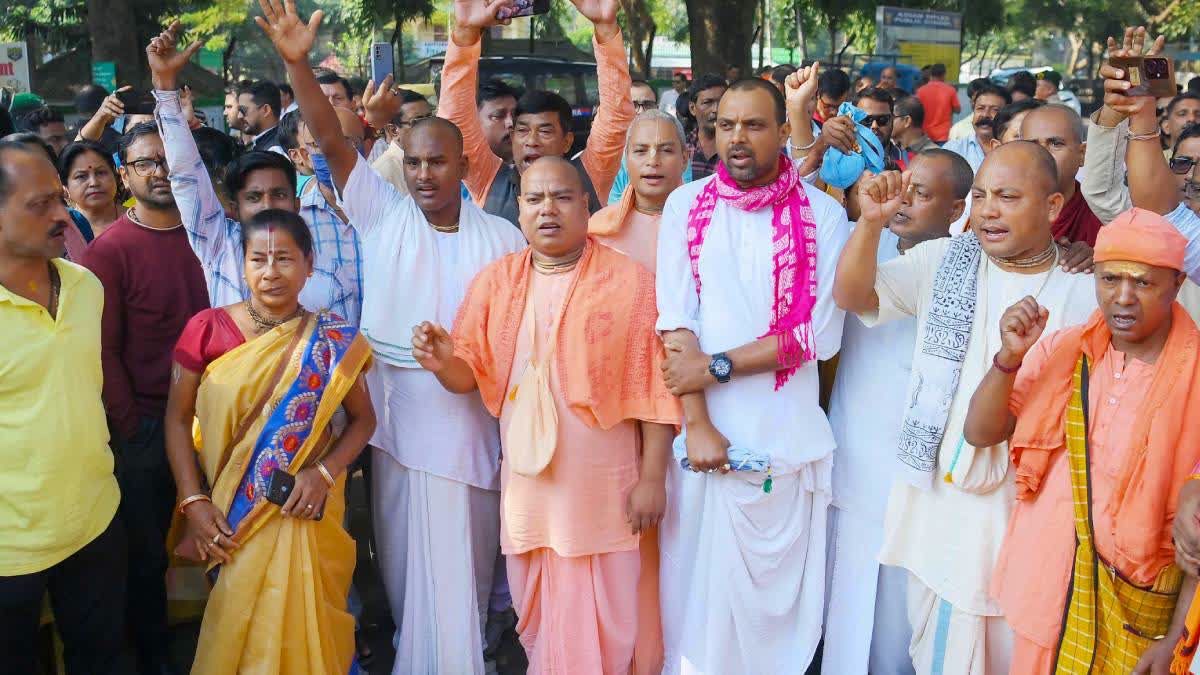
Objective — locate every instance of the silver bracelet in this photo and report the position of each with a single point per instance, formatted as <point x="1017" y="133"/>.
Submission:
<point x="808" y="147"/>
<point x="1144" y="137"/>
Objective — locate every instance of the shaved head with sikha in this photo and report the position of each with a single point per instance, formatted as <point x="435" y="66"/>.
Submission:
<point x="554" y="208"/>
<point x="1015" y="199"/>
<point x="434" y="167"/>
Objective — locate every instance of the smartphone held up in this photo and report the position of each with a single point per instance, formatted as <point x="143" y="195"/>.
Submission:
<point x="382" y="61"/>
<point x="1147" y="75"/>
<point x="522" y="8"/>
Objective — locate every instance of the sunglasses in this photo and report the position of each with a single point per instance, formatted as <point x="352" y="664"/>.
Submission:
<point x="877" y="120"/>
<point x="1181" y="166"/>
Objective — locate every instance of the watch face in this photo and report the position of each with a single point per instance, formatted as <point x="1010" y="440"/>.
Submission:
<point x="721" y="367"/>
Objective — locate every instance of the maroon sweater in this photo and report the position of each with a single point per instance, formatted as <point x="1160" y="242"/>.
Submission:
<point x="153" y="284"/>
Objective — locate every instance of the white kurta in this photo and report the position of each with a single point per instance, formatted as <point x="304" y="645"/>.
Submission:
<point x="742" y="570"/>
<point x="948" y="536"/>
<point x="866" y="622"/>
<point x="436" y="499"/>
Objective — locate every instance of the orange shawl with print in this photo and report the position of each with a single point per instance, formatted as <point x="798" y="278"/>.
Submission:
<point x="609" y="355"/>
<point x="1166" y="438"/>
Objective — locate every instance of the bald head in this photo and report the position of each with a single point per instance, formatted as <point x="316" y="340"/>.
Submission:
<point x="554" y="207"/>
<point x="1061" y="116"/>
<point x="1029" y="157"/>
<point x="443" y="130"/>
<point x="552" y="169"/>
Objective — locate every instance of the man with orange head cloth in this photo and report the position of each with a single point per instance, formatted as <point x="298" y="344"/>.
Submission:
<point x="1098" y="416"/>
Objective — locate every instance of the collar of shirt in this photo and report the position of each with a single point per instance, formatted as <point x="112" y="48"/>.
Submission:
<point x="255" y="139"/>
<point x="68" y="277"/>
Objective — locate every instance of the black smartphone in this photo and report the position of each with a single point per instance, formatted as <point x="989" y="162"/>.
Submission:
<point x="529" y="8"/>
<point x="137" y="102"/>
<point x="280" y="487"/>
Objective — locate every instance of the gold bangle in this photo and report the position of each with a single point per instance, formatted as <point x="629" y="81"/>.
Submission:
<point x="200" y="497"/>
<point x="1195" y="476"/>
<point x="325" y="473"/>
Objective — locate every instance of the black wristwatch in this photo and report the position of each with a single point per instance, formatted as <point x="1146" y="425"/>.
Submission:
<point x="720" y="367"/>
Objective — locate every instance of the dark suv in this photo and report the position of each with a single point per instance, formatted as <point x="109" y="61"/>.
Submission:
<point x="575" y="81"/>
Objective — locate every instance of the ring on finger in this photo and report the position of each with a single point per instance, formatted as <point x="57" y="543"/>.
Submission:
<point x="308" y="507"/>
<point x="216" y="539"/>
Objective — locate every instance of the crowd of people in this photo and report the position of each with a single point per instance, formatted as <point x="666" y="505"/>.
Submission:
<point x="776" y="371"/>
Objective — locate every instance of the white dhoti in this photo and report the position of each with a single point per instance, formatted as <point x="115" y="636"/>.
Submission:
<point x="437" y="541"/>
<point x="948" y="641"/>
<point x="866" y="614"/>
<point x="743" y="571"/>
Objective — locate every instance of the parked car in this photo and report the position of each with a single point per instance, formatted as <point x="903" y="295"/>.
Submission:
<point x="576" y="81"/>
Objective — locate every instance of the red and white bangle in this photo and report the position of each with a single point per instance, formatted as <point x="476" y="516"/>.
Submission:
<point x="1002" y="368"/>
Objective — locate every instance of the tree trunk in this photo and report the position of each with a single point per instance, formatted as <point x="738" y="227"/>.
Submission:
<point x="122" y="47"/>
<point x="800" y="39"/>
<point x="398" y="42"/>
<point x="720" y="34"/>
<point x="762" y="33"/>
<point x="642" y="30"/>
<point x="227" y="59"/>
<point x="832" y="29"/>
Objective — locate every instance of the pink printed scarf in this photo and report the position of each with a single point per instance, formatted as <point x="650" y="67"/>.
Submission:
<point x="794" y="253"/>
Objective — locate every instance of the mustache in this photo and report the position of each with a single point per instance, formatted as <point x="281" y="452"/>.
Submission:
<point x="982" y="121"/>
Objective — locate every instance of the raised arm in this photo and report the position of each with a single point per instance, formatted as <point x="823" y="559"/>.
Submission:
<point x="614" y="112"/>
<point x="293" y="40"/>
<point x="1103" y="184"/>
<point x="989" y="419"/>
<point x="460" y="81"/>
<point x="109" y="111"/>
<point x="200" y="208"/>
<point x="1151" y="185"/>
<point x="880" y="198"/>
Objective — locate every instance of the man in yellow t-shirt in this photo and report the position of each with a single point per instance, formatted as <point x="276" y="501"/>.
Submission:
<point x="58" y="495"/>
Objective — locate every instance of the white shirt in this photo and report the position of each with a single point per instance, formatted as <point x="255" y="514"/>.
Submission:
<point x="949" y="536"/>
<point x="866" y="406"/>
<point x="667" y="101"/>
<point x="970" y="150"/>
<point x="735" y="308"/>
<point x="420" y="424"/>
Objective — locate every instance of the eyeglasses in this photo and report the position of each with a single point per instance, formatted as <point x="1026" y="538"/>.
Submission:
<point x="1182" y="166"/>
<point x="643" y="106"/>
<point x="407" y="124"/>
<point x="147" y="167"/>
<point x="877" y="120"/>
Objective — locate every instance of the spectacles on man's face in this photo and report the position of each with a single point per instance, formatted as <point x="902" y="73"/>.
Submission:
<point x="877" y="120"/>
<point x="644" y="105"/>
<point x="408" y="124"/>
<point x="1181" y="165"/>
<point x="147" y="167"/>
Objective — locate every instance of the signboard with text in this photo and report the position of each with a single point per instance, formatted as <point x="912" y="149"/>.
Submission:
<point x="14" y="67"/>
<point x="926" y="37"/>
<point x="104" y="73"/>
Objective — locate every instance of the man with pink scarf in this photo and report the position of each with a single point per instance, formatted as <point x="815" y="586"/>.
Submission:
<point x="746" y="262"/>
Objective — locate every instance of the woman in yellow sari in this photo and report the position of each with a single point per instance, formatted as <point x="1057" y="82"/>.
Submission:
<point x="262" y="380"/>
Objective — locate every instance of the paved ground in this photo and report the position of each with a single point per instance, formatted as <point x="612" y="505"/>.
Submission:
<point x="377" y="623"/>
